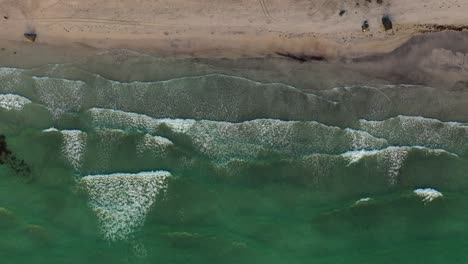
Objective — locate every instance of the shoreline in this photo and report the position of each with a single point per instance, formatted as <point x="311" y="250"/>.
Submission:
<point x="432" y="59"/>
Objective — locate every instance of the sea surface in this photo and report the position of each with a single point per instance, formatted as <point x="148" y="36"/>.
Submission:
<point x="145" y="160"/>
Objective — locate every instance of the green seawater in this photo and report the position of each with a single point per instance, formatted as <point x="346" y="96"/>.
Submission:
<point x="186" y="163"/>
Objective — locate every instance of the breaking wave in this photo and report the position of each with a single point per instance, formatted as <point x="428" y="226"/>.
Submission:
<point x="217" y="127"/>
<point x="121" y="201"/>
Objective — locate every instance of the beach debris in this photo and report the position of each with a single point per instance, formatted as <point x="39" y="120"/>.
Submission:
<point x="342" y="12"/>
<point x="30" y="36"/>
<point x="5" y="17"/>
<point x="365" y="26"/>
<point x="379" y="2"/>
<point x="387" y="23"/>
<point x="301" y="57"/>
<point x="428" y="194"/>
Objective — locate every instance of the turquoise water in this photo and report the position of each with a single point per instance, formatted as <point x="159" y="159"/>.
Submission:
<point x="226" y="168"/>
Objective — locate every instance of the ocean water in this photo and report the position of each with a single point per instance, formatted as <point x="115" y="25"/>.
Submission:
<point x="187" y="163"/>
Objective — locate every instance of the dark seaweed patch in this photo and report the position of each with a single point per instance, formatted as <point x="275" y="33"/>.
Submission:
<point x="301" y="57"/>
<point x="437" y="27"/>
<point x="7" y="157"/>
<point x="4" y="151"/>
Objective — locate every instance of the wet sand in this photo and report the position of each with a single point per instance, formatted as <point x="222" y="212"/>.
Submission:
<point x="437" y="60"/>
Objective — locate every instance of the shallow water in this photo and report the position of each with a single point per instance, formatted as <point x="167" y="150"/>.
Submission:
<point x="217" y="167"/>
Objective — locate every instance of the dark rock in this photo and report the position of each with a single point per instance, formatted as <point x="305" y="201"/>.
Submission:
<point x="379" y="2"/>
<point x="30" y="36"/>
<point x="387" y="23"/>
<point x="5" y="17"/>
<point x="342" y="12"/>
<point x="365" y="26"/>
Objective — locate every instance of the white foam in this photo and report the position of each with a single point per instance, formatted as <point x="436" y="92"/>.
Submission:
<point x="356" y="155"/>
<point x="321" y="166"/>
<point x="52" y="129"/>
<point x="395" y="159"/>
<point x="436" y="151"/>
<point x="155" y="144"/>
<point x="178" y="125"/>
<point x="74" y="147"/>
<point x="412" y="120"/>
<point x="363" y="140"/>
<point x="109" y="118"/>
<point x="391" y="158"/>
<point x="428" y="194"/>
<point x="10" y="79"/>
<point x="224" y="140"/>
<point x="13" y="101"/>
<point x="121" y="201"/>
<point x="59" y="95"/>
<point x="8" y="71"/>
<point x="362" y="200"/>
<point x="416" y="130"/>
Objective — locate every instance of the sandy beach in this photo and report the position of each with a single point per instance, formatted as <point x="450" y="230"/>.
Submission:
<point x="325" y="29"/>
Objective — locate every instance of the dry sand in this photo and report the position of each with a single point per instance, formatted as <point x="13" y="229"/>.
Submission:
<point x="227" y="28"/>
